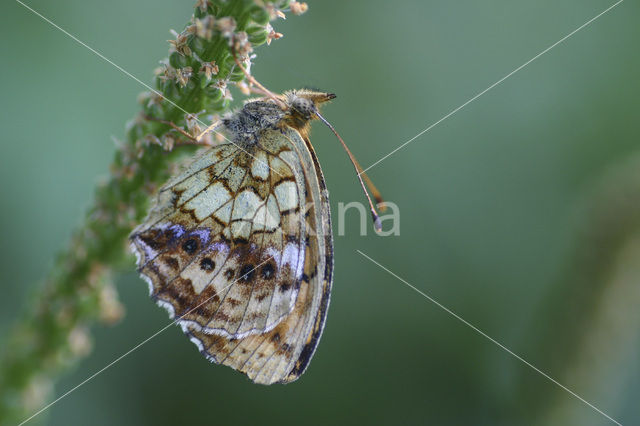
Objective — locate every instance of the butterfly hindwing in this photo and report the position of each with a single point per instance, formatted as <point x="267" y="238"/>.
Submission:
<point x="282" y="354"/>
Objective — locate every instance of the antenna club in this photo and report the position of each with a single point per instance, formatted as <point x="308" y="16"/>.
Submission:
<point x="377" y="223"/>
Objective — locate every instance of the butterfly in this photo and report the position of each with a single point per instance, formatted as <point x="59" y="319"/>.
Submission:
<point x="238" y="247"/>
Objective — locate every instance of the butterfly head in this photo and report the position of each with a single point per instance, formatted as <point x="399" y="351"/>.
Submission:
<point x="302" y="106"/>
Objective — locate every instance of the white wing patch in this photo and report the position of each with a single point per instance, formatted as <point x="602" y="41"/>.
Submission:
<point x="287" y="195"/>
<point x="208" y="200"/>
<point x="246" y="205"/>
<point x="260" y="166"/>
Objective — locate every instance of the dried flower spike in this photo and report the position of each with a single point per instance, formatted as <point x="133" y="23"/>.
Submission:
<point x="272" y="34"/>
<point x="298" y="8"/>
<point x="209" y="69"/>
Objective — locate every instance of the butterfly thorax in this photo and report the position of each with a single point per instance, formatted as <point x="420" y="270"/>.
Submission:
<point x="247" y="124"/>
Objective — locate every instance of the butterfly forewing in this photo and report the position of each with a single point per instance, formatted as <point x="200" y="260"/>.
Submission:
<point x="223" y="249"/>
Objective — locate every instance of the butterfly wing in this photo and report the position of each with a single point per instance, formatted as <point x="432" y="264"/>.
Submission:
<point x="223" y="248"/>
<point x="282" y="354"/>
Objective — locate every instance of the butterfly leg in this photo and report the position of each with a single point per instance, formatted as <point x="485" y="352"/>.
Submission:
<point x="210" y="128"/>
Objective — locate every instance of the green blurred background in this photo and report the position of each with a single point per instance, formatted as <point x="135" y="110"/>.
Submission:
<point x="496" y="208"/>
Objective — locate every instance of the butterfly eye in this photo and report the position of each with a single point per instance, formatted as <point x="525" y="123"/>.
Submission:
<point x="207" y="264"/>
<point x="268" y="271"/>
<point x="190" y="246"/>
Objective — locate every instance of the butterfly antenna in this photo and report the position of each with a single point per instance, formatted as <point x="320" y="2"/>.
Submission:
<point x="359" y="172"/>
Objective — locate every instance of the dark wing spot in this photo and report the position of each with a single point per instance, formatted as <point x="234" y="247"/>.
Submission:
<point x="207" y="264"/>
<point x="151" y="241"/>
<point x="247" y="272"/>
<point x="240" y="241"/>
<point x="190" y="246"/>
<point x="292" y="238"/>
<point x="229" y="274"/>
<point x="268" y="271"/>
<point x="233" y="302"/>
<point x="275" y="337"/>
<point x="285" y="287"/>
<point x="172" y="262"/>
